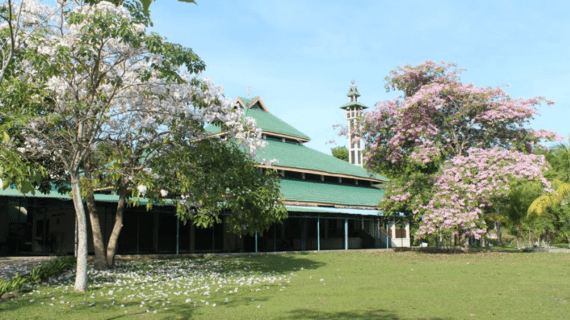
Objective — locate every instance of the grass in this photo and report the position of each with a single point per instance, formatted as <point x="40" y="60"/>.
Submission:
<point x="332" y="285"/>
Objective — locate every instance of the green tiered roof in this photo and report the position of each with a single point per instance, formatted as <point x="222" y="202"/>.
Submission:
<point x="301" y="157"/>
<point x="355" y="104"/>
<point x="330" y="193"/>
<point x="53" y="194"/>
<point x="268" y="123"/>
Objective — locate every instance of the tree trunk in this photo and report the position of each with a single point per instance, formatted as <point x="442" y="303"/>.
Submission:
<point x="464" y="239"/>
<point x="98" y="243"/>
<point x="499" y="233"/>
<point x="519" y="235"/>
<point x="100" y="259"/>
<point x="112" y="246"/>
<point x="81" y="271"/>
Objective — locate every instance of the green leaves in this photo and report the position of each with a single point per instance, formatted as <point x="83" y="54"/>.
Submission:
<point x="214" y="178"/>
<point x="49" y="269"/>
<point x="340" y="153"/>
<point x="541" y="204"/>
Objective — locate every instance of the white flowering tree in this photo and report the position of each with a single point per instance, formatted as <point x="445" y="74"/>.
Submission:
<point x="162" y="152"/>
<point x="108" y="94"/>
<point x="21" y="25"/>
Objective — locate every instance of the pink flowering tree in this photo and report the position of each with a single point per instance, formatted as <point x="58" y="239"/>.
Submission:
<point x="416" y="138"/>
<point x="470" y="186"/>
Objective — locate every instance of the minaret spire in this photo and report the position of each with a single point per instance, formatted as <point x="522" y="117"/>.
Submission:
<point x="353" y="110"/>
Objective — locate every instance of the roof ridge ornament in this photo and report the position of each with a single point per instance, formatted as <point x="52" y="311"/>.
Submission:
<point x="353" y="93"/>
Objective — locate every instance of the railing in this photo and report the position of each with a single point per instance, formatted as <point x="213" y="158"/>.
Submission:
<point x="382" y="240"/>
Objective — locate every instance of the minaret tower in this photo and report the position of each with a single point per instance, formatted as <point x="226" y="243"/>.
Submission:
<point x="353" y="110"/>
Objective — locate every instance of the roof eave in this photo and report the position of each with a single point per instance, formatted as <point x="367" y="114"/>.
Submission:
<point x="325" y="173"/>
<point x="327" y="204"/>
<point x="281" y="135"/>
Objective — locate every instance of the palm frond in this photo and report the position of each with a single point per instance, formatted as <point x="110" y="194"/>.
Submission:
<point x="542" y="203"/>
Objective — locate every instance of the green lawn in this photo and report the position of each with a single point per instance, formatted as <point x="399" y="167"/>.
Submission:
<point x="333" y="285"/>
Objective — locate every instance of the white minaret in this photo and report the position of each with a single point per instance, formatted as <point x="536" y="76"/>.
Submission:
<point x="353" y="110"/>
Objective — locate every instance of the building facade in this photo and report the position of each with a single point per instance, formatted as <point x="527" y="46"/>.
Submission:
<point x="332" y="204"/>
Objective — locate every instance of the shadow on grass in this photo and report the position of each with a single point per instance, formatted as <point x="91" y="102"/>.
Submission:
<point x="377" y="314"/>
<point x="186" y="311"/>
<point x="280" y="263"/>
<point x="51" y="308"/>
<point x="448" y="250"/>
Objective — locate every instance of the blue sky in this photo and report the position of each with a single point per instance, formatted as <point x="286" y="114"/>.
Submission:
<point x="300" y="56"/>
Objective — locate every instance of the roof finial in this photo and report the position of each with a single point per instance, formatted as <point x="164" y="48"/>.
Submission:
<point x="352" y="82"/>
<point x="248" y="90"/>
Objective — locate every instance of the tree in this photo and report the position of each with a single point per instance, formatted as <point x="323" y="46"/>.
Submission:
<point x="559" y="158"/>
<point x="340" y="153"/>
<point x="201" y="176"/>
<point x="21" y="25"/>
<point x="555" y="205"/>
<point x="516" y="205"/>
<point x="415" y="138"/>
<point x="105" y="80"/>
<point x="470" y="186"/>
<point x="216" y="177"/>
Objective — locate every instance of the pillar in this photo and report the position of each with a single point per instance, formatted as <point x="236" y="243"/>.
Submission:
<point x="345" y="234"/>
<point x="318" y="233"/>
<point x="255" y="241"/>
<point x="138" y="232"/>
<point x="192" y="237"/>
<point x="177" y="235"/>
<point x="303" y="233"/>
<point x="155" y="233"/>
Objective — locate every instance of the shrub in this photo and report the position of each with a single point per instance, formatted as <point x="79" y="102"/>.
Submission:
<point x="45" y="271"/>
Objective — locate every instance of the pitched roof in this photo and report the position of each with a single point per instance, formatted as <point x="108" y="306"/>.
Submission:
<point x="298" y="156"/>
<point x="328" y="210"/>
<point x="330" y="193"/>
<point x="250" y="103"/>
<point x="269" y="124"/>
<point x="53" y="194"/>
<point x="353" y="104"/>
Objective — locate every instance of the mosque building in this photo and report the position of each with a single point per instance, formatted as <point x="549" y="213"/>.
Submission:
<point x="332" y="204"/>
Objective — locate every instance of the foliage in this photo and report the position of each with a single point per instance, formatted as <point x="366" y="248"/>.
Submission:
<point x="45" y="271"/>
<point x="541" y="204"/>
<point x="549" y="214"/>
<point x="21" y="24"/>
<point x="214" y="177"/>
<point x="559" y="159"/>
<point x="139" y="9"/>
<point x="340" y="153"/>
<point x="514" y="209"/>
<point x="415" y="140"/>
<point x="51" y="268"/>
<point x="15" y="284"/>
